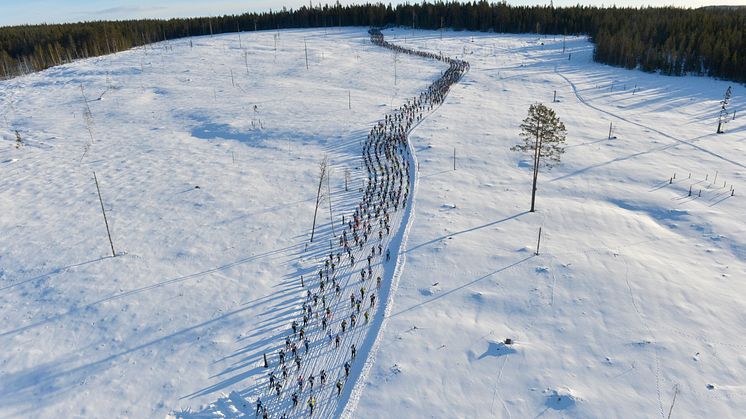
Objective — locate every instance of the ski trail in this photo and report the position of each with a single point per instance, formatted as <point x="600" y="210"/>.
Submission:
<point x="657" y="131"/>
<point x="400" y="261"/>
<point x="383" y="210"/>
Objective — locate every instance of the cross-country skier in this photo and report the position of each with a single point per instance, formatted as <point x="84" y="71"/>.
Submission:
<point x="311" y="404"/>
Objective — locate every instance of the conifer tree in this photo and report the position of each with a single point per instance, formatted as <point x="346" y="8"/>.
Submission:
<point x="543" y="137"/>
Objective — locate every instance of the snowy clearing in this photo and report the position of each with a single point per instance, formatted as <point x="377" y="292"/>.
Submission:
<point x="634" y="298"/>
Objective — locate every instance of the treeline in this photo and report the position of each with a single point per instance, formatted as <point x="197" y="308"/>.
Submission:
<point x="708" y="41"/>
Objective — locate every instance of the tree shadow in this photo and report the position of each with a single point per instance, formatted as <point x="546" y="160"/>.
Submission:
<point x="54" y="272"/>
<point x="466" y="285"/>
<point x="496" y="349"/>
<point x="468" y="230"/>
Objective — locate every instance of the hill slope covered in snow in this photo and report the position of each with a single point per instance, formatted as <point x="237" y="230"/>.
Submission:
<point x="207" y="155"/>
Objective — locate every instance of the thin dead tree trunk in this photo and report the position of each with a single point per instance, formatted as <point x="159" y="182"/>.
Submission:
<point x="106" y="222"/>
<point x="322" y="175"/>
<point x="329" y="197"/>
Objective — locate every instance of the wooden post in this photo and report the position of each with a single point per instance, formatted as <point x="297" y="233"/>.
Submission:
<point x="349" y="100"/>
<point x="538" y="243"/>
<point x="238" y="29"/>
<point x="246" y="60"/>
<point x="690" y="190"/>
<point x="233" y="82"/>
<point x="611" y="125"/>
<point x="554" y="99"/>
<point x="305" y="46"/>
<point x="103" y="211"/>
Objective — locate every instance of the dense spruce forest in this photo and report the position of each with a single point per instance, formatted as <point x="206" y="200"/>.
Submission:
<point x="708" y="41"/>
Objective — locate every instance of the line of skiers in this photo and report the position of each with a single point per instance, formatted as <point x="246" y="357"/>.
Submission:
<point x="361" y="244"/>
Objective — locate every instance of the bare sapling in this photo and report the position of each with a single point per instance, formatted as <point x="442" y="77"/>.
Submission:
<point x="319" y="195"/>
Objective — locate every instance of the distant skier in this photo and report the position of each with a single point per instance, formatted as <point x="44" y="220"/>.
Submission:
<point x="266" y="364"/>
<point x="311" y="404"/>
<point x="339" y="387"/>
<point x="347" y="369"/>
<point x="258" y="406"/>
<point x="353" y="351"/>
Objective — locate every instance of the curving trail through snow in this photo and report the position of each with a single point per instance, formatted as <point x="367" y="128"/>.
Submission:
<point x="677" y="141"/>
<point x="333" y="336"/>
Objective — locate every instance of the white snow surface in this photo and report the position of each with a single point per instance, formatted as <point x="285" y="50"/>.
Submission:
<point x="636" y="295"/>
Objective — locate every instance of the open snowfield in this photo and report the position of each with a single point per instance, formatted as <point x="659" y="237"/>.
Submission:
<point x="635" y="298"/>
<point x="207" y="276"/>
<point x="638" y="288"/>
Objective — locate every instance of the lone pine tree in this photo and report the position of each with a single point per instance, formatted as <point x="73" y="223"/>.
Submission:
<point x="543" y="136"/>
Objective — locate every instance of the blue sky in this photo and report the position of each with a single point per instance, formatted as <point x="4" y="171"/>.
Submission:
<point x="13" y="12"/>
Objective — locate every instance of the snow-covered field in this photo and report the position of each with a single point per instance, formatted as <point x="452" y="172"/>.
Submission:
<point x="635" y="297"/>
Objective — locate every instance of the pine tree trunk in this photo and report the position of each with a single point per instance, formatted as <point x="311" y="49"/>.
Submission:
<point x="537" y="156"/>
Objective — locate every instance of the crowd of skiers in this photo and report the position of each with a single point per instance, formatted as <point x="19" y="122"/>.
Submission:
<point x="321" y="347"/>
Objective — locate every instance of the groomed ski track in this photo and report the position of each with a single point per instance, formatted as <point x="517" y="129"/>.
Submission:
<point x="390" y="138"/>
